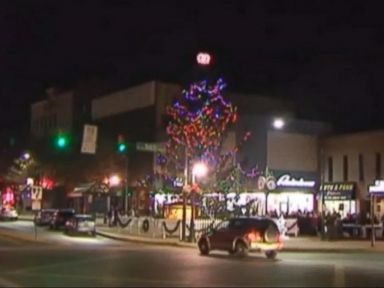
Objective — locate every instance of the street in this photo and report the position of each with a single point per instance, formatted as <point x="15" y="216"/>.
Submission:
<point x="26" y="230"/>
<point x="101" y="262"/>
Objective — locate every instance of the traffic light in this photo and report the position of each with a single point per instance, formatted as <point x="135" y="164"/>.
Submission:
<point x="124" y="146"/>
<point x="121" y="144"/>
<point x="61" y="141"/>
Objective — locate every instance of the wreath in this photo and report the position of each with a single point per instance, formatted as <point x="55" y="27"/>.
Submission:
<point x="145" y="225"/>
<point x="121" y="223"/>
<point x="171" y="231"/>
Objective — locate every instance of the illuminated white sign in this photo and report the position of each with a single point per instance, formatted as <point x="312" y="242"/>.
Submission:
<point x="178" y="182"/>
<point x="378" y="187"/>
<point x="287" y="181"/>
<point x="203" y="58"/>
<point x="30" y="181"/>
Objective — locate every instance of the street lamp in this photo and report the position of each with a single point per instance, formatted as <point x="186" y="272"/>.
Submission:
<point x="278" y="123"/>
<point x="26" y="156"/>
<point x="199" y="169"/>
<point x="114" y="180"/>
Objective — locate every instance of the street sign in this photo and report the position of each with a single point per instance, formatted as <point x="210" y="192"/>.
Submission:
<point x="150" y="147"/>
<point x="37" y="193"/>
<point x="88" y="145"/>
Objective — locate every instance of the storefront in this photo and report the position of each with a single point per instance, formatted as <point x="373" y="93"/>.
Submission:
<point x="290" y="193"/>
<point x="254" y="201"/>
<point x="338" y="197"/>
<point x="8" y="197"/>
<point x="91" y="197"/>
<point x="376" y="191"/>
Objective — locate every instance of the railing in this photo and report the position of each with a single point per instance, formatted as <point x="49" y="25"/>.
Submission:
<point x="162" y="228"/>
<point x="170" y="228"/>
<point x="289" y="226"/>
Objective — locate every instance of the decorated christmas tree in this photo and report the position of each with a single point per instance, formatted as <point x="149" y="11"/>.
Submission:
<point x="198" y="125"/>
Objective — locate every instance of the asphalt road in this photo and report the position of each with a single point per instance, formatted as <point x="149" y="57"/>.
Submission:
<point x="106" y="263"/>
<point x="27" y="229"/>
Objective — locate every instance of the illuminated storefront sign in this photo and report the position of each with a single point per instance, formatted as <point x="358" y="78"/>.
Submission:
<point x="338" y="191"/>
<point x="287" y="180"/>
<point x="378" y="187"/>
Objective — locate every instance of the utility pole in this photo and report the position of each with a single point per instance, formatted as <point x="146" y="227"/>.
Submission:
<point x="126" y="184"/>
<point x="322" y="191"/>
<point x="184" y="216"/>
<point x="192" y="223"/>
<point x="372" y="220"/>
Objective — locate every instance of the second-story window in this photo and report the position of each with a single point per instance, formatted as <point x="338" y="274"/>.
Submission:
<point x="330" y="169"/>
<point x="361" y="167"/>
<point x="378" y="166"/>
<point x="345" y="168"/>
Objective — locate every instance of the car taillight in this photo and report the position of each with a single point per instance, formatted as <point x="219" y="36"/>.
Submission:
<point x="254" y="236"/>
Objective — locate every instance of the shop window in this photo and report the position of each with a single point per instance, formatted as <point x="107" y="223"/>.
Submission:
<point x="330" y="169"/>
<point x="378" y="166"/>
<point x="361" y="167"/>
<point x="345" y="168"/>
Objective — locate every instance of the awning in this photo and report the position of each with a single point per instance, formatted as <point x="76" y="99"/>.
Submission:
<point x="74" y="195"/>
<point x="90" y="188"/>
<point x="83" y="188"/>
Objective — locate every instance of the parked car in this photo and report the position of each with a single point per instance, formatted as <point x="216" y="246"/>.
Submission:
<point x="44" y="217"/>
<point x="240" y="235"/>
<point x="8" y="213"/>
<point x="60" y="217"/>
<point x="81" y="224"/>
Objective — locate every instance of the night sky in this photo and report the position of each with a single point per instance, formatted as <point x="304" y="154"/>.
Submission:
<point x="327" y="56"/>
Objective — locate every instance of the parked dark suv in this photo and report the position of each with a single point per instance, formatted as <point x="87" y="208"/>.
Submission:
<point x="60" y="217"/>
<point x="240" y="235"/>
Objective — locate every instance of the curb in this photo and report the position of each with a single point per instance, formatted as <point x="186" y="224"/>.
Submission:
<point x="142" y="240"/>
<point x="24" y="218"/>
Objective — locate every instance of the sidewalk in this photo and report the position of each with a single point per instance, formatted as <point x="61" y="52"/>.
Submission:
<point x="292" y="244"/>
<point x="26" y="217"/>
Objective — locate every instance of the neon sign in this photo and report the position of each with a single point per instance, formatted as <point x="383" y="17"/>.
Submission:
<point x="287" y="181"/>
<point x="203" y="58"/>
